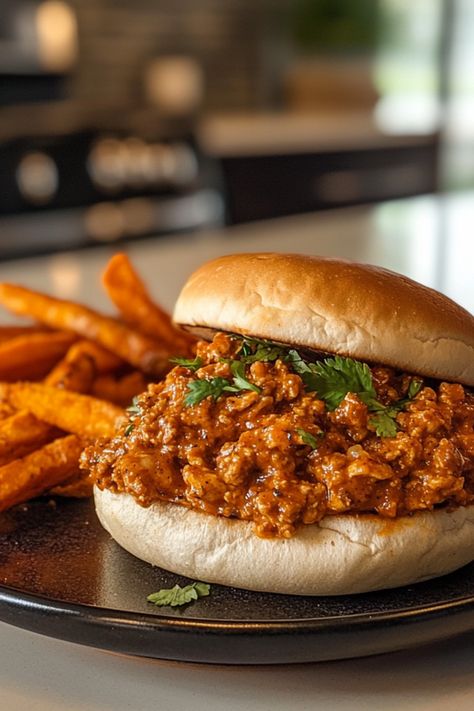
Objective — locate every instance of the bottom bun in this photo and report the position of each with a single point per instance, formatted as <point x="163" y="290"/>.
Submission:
<point x="340" y="555"/>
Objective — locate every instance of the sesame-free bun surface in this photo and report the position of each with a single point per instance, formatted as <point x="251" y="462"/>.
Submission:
<point x="341" y="555"/>
<point x="335" y="306"/>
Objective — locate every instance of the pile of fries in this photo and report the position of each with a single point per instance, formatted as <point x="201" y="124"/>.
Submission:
<point x="67" y="379"/>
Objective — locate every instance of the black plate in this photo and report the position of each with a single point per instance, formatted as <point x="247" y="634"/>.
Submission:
<point x="61" y="575"/>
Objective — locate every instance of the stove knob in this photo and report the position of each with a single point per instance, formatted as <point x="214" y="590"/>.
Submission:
<point x="37" y="178"/>
<point x="172" y="164"/>
<point x="108" y="164"/>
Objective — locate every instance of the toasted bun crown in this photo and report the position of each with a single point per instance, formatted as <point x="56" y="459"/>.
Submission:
<point x="331" y="305"/>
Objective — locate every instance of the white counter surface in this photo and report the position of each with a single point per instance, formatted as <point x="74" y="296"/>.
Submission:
<point x="428" y="239"/>
<point x="241" y="134"/>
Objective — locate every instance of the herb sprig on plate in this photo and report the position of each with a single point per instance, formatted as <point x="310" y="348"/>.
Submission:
<point x="177" y="595"/>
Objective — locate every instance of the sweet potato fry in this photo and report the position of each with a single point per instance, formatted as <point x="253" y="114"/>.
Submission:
<point x="32" y="356"/>
<point x="129" y="294"/>
<point x="79" y="487"/>
<point x="21" y="433"/>
<point x="8" y="332"/>
<point x="72" y="412"/>
<point x="44" y="468"/>
<point x="130" y="345"/>
<point x="104" y="360"/>
<point x="121" y="391"/>
<point x="73" y="373"/>
<point x="6" y="410"/>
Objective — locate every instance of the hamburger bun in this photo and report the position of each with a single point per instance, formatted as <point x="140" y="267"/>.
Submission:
<point x="341" y="555"/>
<point x="334" y="306"/>
<point x="330" y="306"/>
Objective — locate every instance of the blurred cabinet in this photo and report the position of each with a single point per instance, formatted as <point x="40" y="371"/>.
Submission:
<point x="275" y="166"/>
<point x="68" y="181"/>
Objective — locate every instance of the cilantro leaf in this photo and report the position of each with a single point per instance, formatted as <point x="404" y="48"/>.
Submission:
<point x="132" y="411"/>
<point x="134" y="408"/>
<point x="193" y="364"/>
<point x="265" y="351"/>
<point x="384" y="424"/>
<point x="215" y="387"/>
<point x="177" y="595"/>
<point x="200" y="389"/>
<point x="333" y="378"/>
<point x="246" y="348"/>
<point x="309" y="439"/>
<point x="414" y="387"/>
<point x="299" y="365"/>
<point x="240" y="381"/>
<point x="384" y="420"/>
<point x="337" y="376"/>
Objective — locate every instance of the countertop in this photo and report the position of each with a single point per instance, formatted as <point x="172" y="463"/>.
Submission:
<point x="242" y="134"/>
<point x="429" y="239"/>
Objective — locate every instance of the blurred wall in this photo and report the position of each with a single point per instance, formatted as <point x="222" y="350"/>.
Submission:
<point x="118" y="38"/>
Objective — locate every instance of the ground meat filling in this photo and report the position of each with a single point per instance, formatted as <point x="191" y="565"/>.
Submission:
<point x="278" y="457"/>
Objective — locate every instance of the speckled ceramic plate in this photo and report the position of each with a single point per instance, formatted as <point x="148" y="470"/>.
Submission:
<point x="62" y="575"/>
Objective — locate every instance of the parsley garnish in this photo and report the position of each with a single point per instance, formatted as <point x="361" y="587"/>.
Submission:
<point x="384" y="419"/>
<point x="309" y="439"/>
<point x="193" y="364"/>
<point x="414" y="387"/>
<point x="200" y="389"/>
<point x="133" y="411"/>
<point x="215" y="387"/>
<point x="175" y="596"/>
<point x="239" y="380"/>
<point x="333" y="378"/>
<point x="384" y="424"/>
<point x="134" y="408"/>
<point x="254" y="350"/>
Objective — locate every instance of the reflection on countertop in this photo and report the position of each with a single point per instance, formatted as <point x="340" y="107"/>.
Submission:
<point x="427" y="238"/>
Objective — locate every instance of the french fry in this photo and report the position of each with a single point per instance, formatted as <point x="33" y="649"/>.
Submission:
<point x="44" y="468"/>
<point x="132" y="346"/>
<point x="79" y="487"/>
<point x="129" y="294"/>
<point x="21" y="433"/>
<point x="8" y="332"/>
<point x="32" y="356"/>
<point x="104" y="360"/>
<point x="121" y="391"/>
<point x="74" y="350"/>
<point x="73" y="373"/>
<point x="72" y="412"/>
<point x="6" y="410"/>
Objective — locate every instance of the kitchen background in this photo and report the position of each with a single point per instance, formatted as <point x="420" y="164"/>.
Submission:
<point x="126" y="118"/>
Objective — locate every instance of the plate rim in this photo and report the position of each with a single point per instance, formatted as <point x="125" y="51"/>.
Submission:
<point x="316" y="633"/>
<point x="268" y="643"/>
<point x="21" y="599"/>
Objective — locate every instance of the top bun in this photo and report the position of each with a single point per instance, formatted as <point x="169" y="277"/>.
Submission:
<point x="335" y="306"/>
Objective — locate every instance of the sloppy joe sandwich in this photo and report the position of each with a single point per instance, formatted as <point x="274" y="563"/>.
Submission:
<point x="319" y="442"/>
